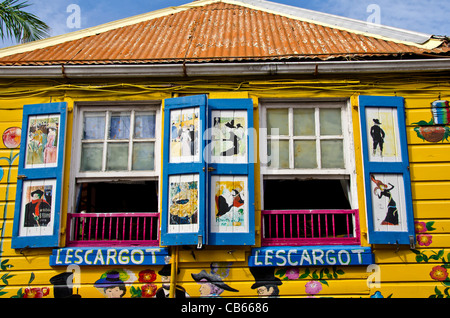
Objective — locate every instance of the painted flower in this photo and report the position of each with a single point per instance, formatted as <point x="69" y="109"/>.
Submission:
<point x="11" y="137"/>
<point x="424" y="239"/>
<point x="149" y="290"/>
<point x="439" y="273"/>
<point x="293" y="273"/>
<point x="36" y="292"/>
<point x="421" y="227"/>
<point x="147" y="276"/>
<point x="313" y="287"/>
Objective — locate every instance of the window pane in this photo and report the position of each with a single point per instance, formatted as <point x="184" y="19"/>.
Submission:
<point x="330" y="121"/>
<point x="144" y="156"/>
<point x="136" y="196"/>
<point x="91" y="157"/>
<point x="278" y="119"/>
<point x="332" y="154"/>
<point x="117" y="156"/>
<point x="305" y="154"/>
<point x="278" y="152"/>
<point x="120" y="125"/>
<point x="304" y="123"/>
<point x="144" y="125"/>
<point x="94" y="126"/>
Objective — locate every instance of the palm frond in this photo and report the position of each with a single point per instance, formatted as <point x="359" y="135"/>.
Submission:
<point x="15" y="23"/>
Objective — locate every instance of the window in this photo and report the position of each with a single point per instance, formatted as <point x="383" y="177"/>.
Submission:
<point x="309" y="182"/>
<point x="116" y="175"/>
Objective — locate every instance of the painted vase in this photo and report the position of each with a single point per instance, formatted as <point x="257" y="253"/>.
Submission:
<point x="441" y="112"/>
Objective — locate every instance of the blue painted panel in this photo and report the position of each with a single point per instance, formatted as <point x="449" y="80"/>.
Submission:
<point x="123" y="256"/>
<point x="41" y="174"/>
<point x="339" y="255"/>
<point x="238" y="169"/>
<point x="397" y="168"/>
<point x="174" y="169"/>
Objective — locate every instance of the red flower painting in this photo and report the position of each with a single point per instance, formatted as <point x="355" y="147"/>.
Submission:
<point x="424" y="239"/>
<point x="11" y="137"/>
<point x="147" y="276"/>
<point x="36" y="292"/>
<point x="439" y="273"/>
<point x="149" y="290"/>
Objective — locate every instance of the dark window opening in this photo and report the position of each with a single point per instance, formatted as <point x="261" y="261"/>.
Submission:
<point x="115" y="213"/>
<point x="299" y="212"/>
<point x="305" y="195"/>
<point x="108" y="197"/>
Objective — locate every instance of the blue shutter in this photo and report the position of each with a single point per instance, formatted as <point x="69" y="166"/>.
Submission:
<point x="188" y="186"/>
<point x="237" y="225"/>
<point x="40" y="176"/>
<point x="387" y="179"/>
<point x="184" y="179"/>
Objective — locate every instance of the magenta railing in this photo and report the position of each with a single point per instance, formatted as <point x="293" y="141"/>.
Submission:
<point x="310" y="227"/>
<point x="112" y="229"/>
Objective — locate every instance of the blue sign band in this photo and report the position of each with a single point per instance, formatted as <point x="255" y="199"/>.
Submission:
<point x="109" y="256"/>
<point x="311" y="256"/>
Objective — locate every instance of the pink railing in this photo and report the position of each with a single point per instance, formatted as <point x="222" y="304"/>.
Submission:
<point x="112" y="229"/>
<point x="310" y="227"/>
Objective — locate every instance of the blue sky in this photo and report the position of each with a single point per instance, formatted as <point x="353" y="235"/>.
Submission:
<point x="427" y="16"/>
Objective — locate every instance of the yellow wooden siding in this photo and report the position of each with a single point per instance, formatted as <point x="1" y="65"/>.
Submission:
<point x="402" y="275"/>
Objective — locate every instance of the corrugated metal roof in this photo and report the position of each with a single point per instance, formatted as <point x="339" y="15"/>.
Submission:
<point x="218" y="31"/>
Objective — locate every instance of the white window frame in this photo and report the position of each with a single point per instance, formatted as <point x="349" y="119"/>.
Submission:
<point x="78" y="177"/>
<point x="348" y="173"/>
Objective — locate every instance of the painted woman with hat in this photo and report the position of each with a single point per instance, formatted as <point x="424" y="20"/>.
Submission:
<point x="111" y="286"/>
<point x="211" y="284"/>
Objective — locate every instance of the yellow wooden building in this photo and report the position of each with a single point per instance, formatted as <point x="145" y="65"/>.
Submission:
<point x="226" y="149"/>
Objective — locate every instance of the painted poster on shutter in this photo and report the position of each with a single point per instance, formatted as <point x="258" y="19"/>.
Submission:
<point x="229" y="137"/>
<point x="42" y="141"/>
<point x="383" y="135"/>
<point x="228" y="198"/>
<point x="184" y="135"/>
<point x="388" y="202"/>
<point x="183" y="203"/>
<point x="38" y="210"/>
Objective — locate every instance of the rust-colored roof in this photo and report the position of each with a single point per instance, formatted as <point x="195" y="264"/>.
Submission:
<point x="217" y="32"/>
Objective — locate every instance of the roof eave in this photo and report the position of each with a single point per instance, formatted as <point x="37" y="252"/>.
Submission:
<point x="224" y="69"/>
